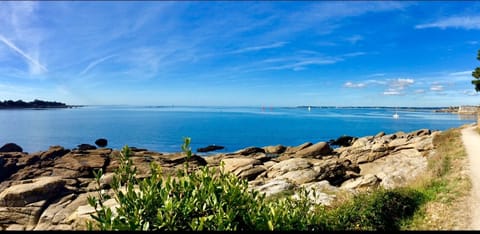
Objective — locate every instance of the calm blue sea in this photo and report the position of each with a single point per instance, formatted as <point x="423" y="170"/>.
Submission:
<point x="163" y="128"/>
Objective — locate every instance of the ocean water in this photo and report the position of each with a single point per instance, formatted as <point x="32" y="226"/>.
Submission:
<point x="162" y="129"/>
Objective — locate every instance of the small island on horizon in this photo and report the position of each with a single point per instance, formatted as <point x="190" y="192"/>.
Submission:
<point x="35" y="104"/>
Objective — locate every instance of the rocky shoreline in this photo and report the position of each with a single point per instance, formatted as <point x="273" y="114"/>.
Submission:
<point x="48" y="190"/>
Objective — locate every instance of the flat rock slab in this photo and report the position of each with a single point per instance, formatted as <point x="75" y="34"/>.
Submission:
<point x="31" y="191"/>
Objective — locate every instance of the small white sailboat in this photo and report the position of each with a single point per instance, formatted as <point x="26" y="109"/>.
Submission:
<point x="396" y="116"/>
<point x="309" y="108"/>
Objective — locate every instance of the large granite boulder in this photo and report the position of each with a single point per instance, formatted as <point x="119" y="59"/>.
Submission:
<point x="21" y="218"/>
<point x="299" y="177"/>
<point x="274" y="186"/>
<point x="321" y="192"/>
<point x="314" y="151"/>
<point x="55" y="217"/>
<point x="343" y="141"/>
<point x="293" y="150"/>
<point x="250" y="150"/>
<point x="275" y="149"/>
<point x="365" y="182"/>
<point x="31" y="191"/>
<point x="244" y="167"/>
<point x="55" y="213"/>
<point x="398" y="168"/>
<point x="210" y="148"/>
<point x="78" y="165"/>
<point x="8" y="164"/>
<point x="54" y="152"/>
<point x="83" y="147"/>
<point x="288" y="165"/>
<point x="11" y="147"/>
<point x="101" y="142"/>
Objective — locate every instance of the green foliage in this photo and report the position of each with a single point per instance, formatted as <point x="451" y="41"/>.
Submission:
<point x="212" y="199"/>
<point x="432" y="190"/>
<point x="476" y="75"/>
<point x="382" y="210"/>
<point x="207" y="199"/>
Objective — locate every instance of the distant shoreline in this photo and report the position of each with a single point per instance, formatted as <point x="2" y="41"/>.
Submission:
<point x="40" y="108"/>
<point x="39" y="105"/>
<point x="281" y="107"/>
<point x="36" y="104"/>
<point x="460" y="109"/>
<point x="436" y="109"/>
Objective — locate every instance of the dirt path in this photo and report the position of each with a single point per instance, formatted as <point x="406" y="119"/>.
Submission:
<point x="471" y="141"/>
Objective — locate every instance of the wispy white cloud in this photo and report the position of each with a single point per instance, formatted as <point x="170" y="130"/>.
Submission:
<point x="461" y="76"/>
<point x="325" y="17"/>
<point x="436" y="88"/>
<point x="326" y="43"/>
<point x="20" y="32"/>
<point x="461" y="73"/>
<point x="419" y="91"/>
<point x="300" y="63"/>
<point x="329" y="10"/>
<point x="28" y="58"/>
<point x="141" y="63"/>
<point x="95" y="63"/>
<point x="354" y="54"/>
<point x="147" y="62"/>
<point x="354" y="39"/>
<point x="149" y="13"/>
<point x="301" y="60"/>
<point x="446" y="84"/>
<point x="315" y="61"/>
<point x="262" y="47"/>
<point x="392" y="92"/>
<point x="401" y="83"/>
<point x="378" y="82"/>
<point x="470" y="93"/>
<point x="463" y="22"/>
<point x="354" y="85"/>
<point x="376" y="75"/>
<point x="17" y="16"/>
<point x="397" y="86"/>
<point x="364" y="84"/>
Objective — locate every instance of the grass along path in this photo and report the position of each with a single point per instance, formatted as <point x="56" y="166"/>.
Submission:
<point x="446" y="186"/>
<point x="471" y="141"/>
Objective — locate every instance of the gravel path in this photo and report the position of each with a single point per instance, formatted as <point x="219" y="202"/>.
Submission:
<point x="471" y="140"/>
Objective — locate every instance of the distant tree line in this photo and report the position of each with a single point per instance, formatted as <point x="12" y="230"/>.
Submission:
<point x="34" y="104"/>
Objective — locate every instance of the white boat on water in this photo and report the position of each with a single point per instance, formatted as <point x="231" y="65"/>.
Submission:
<point x="309" y="109"/>
<point x="396" y="116"/>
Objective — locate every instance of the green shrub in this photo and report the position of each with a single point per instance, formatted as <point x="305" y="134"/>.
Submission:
<point x="206" y="199"/>
<point x="211" y="199"/>
<point x="382" y="210"/>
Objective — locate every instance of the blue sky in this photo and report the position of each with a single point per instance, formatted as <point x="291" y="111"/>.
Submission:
<point x="238" y="53"/>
